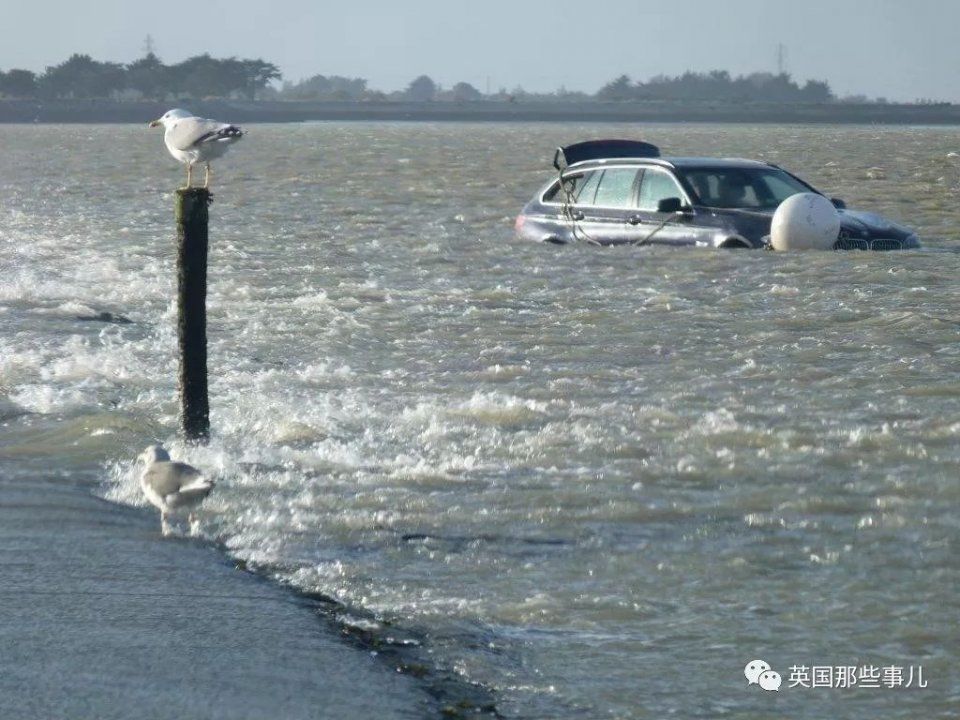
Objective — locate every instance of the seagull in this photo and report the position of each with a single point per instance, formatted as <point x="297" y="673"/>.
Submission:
<point x="193" y="140"/>
<point x="171" y="485"/>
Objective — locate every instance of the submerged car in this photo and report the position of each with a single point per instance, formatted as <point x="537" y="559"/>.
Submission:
<point x="614" y="192"/>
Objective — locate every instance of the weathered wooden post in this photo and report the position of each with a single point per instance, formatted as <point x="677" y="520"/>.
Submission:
<point x="192" y="243"/>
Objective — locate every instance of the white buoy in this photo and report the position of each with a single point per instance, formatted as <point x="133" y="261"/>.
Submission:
<point x="805" y="222"/>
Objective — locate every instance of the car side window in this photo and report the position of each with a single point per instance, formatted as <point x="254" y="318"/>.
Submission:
<point x="588" y="190"/>
<point x="705" y="184"/>
<point x="775" y="189"/>
<point x="616" y="188"/>
<point x="726" y="189"/>
<point x="657" y="185"/>
<point x="735" y="190"/>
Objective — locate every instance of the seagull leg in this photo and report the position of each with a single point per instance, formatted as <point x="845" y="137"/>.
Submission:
<point x="194" y="524"/>
<point x="189" y="176"/>
<point x="206" y="178"/>
<point x="164" y="525"/>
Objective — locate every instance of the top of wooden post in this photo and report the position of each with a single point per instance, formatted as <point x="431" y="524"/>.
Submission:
<point x="189" y="202"/>
<point x="195" y="193"/>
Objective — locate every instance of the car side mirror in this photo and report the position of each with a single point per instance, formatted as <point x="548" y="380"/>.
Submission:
<point x="670" y="205"/>
<point x="838" y="203"/>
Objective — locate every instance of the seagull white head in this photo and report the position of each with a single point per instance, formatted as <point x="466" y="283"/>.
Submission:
<point x="170" y="116"/>
<point x="154" y="453"/>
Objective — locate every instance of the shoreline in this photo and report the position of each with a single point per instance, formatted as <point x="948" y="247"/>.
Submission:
<point x="106" y="618"/>
<point x="109" y="111"/>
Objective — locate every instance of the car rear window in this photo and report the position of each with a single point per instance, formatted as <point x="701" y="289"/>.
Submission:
<point x="554" y="193"/>
<point x="580" y="188"/>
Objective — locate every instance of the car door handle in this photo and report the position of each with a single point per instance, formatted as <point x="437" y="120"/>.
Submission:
<point x="635" y="220"/>
<point x="577" y="215"/>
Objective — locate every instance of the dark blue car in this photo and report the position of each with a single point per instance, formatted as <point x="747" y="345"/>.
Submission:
<point x="611" y="192"/>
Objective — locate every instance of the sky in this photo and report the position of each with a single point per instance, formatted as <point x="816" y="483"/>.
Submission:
<point x="900" y="50"/>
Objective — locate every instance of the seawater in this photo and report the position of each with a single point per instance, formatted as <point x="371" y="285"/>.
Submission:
<point x="596" y="481"/>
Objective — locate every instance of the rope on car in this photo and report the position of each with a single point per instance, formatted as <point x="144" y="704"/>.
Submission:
<point x="658" y="228"/>
<point x="566" y="186"/>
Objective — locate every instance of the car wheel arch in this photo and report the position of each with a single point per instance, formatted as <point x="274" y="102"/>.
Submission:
<point x="735" y="242"/>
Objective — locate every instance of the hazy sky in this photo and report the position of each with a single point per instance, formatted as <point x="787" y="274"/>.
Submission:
<point x="900" y="49"/>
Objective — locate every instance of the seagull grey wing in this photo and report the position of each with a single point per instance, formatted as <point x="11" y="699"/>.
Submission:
<point x="190" y="495"/>
<point x="165" y="478"/>
<point x="186" y="134"/>
<point x="222" y="132"/>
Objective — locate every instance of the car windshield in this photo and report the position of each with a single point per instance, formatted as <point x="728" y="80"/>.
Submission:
<point x="747" y="188"/>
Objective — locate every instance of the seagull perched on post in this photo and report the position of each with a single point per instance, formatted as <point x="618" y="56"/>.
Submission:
<point x="171" y="486"/>
<point x="193" y="140"/>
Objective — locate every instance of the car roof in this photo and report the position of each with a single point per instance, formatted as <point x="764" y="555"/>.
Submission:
<point x="695" y="162"/>
<point x="685" y="163"/>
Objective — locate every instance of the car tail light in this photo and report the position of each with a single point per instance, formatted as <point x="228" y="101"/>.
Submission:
<point x="518" y="225"/>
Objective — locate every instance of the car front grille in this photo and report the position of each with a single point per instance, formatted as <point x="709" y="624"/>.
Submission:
<point x="886" y="244"/>
<point x="845" y="242"/>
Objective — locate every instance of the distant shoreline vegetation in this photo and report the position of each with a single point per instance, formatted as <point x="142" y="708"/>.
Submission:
<point x="203" y="77"/>
<point x="481" y="111"/>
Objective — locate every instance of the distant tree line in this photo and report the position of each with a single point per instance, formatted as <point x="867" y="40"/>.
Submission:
<point x="713" y="86"/>
<point x="718" y="85"/>
<point x="203" y="76"/>
<point x="80" y="76"/>
<point x="334" y="87"/>
<point x="320" y="87"/>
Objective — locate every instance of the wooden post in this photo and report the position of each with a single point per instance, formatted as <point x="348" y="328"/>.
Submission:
<point x="192" y="243"/>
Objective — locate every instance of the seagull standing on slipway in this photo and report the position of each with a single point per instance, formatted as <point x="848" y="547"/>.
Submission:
<point x="193" y="140"/>
<point x="171" y="486"/>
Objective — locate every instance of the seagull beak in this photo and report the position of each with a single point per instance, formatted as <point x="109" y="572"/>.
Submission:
<point x="154" y="123"/>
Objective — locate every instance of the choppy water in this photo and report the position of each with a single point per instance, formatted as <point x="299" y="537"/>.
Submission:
<point x="600" y="481"/>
